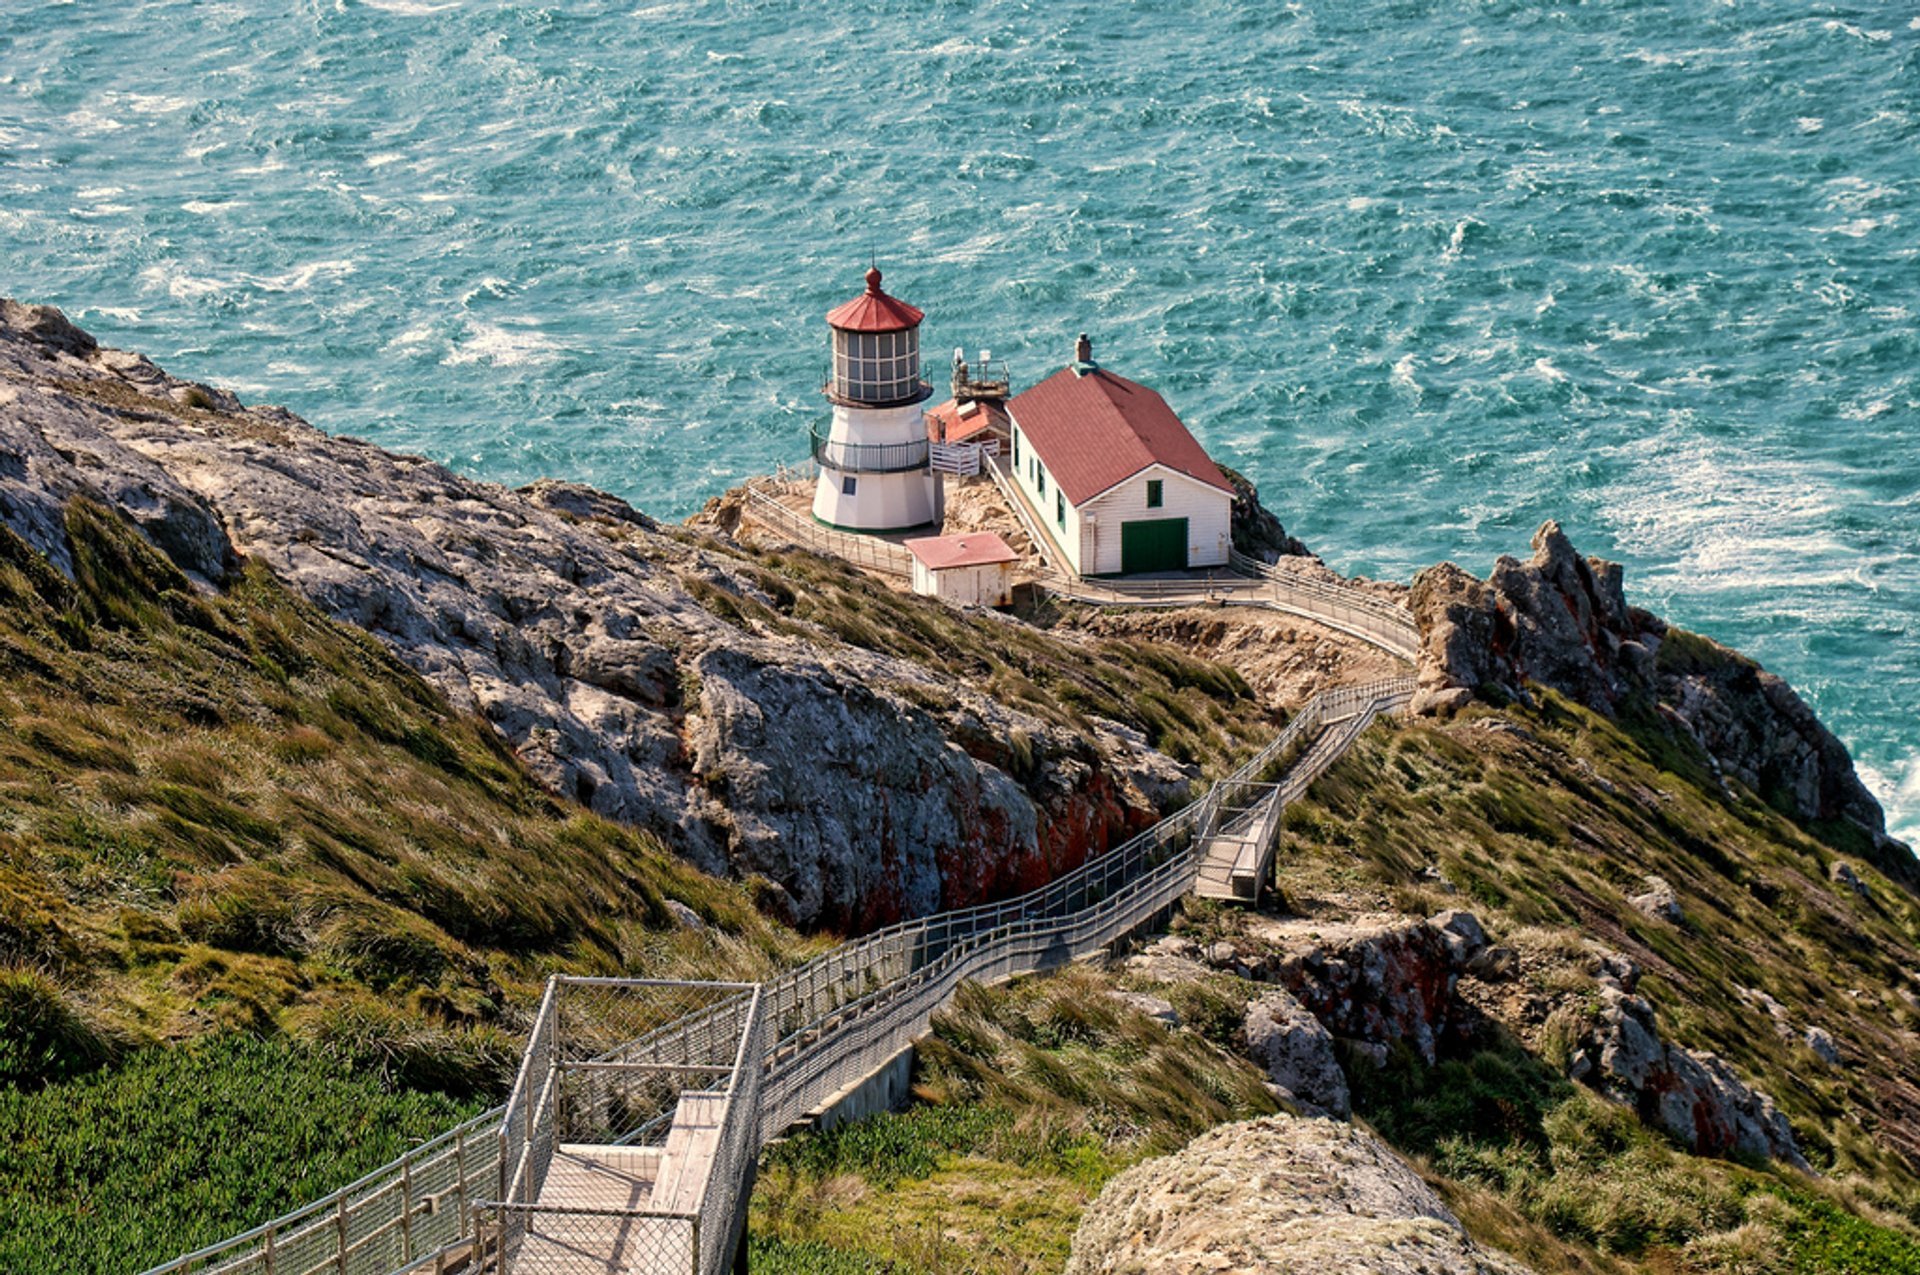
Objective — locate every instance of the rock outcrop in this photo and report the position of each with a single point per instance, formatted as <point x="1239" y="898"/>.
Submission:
<point x="1282" y="1194"/>
<point x="1384" y="983"/>
<point x="1693" y="1095"/>
<point x="594" y="642"/>
<point x="1562" y="621"/>
<point x="1296" y="1050"/>
<point x="1256" y="532"/>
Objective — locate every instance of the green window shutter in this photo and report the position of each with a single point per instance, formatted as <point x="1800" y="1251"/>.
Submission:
<point x="1060" y="508"/>
<point x="1155" y="493"/>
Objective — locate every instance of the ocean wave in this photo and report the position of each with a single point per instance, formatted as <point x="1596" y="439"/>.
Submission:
<point x="510" y="343"/>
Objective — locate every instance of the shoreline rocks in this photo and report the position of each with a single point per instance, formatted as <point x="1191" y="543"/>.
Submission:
<point x="1561" y="621"/>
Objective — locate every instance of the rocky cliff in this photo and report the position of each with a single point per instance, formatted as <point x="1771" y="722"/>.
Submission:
<point x="653" y="675"/>
<point x="1561" y="621"/>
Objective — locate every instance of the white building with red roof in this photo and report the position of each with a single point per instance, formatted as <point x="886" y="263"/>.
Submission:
<point x="1118" y="483"/>
<point x="974" y="569"/>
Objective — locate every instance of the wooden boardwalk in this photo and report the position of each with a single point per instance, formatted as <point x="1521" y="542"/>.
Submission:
<point x="618" y="1210"/>
<point x="1235" y="852"/>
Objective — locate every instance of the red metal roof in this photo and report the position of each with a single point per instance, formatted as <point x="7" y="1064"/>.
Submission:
<point x="974" y="549"/>
<point x="875" y="311"/>
<point x="1095" y="430"/>
<point x="946" y="423"/>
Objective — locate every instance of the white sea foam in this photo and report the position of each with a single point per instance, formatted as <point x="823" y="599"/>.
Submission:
<point x="1457" y="241"/>
<point x="88" y="122"/>
<point x="411" y="8"/>
<point x="1810" y="123"/>
<point x="1858" y="33"/>
<point x="118" y="313"/>
<point x="510" y="343"/>
<point x="1866" y="410"/>
<point x="1403" y="374"/>
<point x="1858" y="227"/>
<point x="202" y="207"/>
<point x="184" y="286"/>
<point x="1897" y="787"/>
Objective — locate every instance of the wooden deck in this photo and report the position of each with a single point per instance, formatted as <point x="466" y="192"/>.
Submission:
<point x="1236" y="853"/>
<point x="589" y="1219"/>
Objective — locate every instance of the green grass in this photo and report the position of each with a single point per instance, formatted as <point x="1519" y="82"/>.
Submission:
<point x="1544" y="830"/>
<point x="226" y="820"/>
<point x="170" y="1149"/>
<point x="1030" y="1098"/>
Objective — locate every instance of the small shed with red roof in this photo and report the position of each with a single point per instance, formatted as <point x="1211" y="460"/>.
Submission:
<point x="973" y="569"/>
<point x="1117" y="482"/>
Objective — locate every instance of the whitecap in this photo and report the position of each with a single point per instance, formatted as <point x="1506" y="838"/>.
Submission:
<point x="99" y="192"/>
<point x="1810" y="123"/>
<point x="1858" y="33"/>
<point x="180" y="285"/>
<point x="1543" y="368"/>
<point x="119" y="313"/>
<point x="202" y="207"/>
<point x="1858" y="227"/>
<point x="1898" y="792"/>
<point x="411" y="8"/>
<point x="503" y="346"/>
<point x="1868" y="410"/>
<point x="1403" y="375"/>
<point x="1457" y="240"/>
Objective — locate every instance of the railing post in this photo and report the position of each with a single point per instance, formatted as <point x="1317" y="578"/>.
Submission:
<point x="340" y="1234"/>
<point x="268" y="1254"/>
<point x="406" y="1210"/>
<point x="460" y="1171"/>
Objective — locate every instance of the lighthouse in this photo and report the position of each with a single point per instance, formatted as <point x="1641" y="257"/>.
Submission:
<point x="875" y="473"/>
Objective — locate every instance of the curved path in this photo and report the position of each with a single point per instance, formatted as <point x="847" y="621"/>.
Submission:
<point x="473" y="1199"/>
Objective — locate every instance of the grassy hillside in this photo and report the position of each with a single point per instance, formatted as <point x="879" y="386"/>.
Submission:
<point x="227" y="820"/>
<point x="1031" y="1097"/>
<point x="1542" y="821"/>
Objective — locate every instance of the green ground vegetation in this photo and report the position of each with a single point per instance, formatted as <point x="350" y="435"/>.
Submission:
<point x="1543" y="820"/>
<point x="1192" y="709"/>
<point x="1030" y="1097"/>
<point x="223" y="817"/>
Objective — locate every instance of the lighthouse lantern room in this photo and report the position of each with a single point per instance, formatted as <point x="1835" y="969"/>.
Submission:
<point x="875" y="471"/>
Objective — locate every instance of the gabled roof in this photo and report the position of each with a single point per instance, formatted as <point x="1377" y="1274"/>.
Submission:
<point x="952" y="423"/>
<point x="875" y="311"/>
<point x="974" y="549"/>
<point x="1093" y="430"/>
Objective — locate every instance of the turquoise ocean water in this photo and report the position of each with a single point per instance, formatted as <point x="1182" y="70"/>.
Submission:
<point x="1430" y="272"/>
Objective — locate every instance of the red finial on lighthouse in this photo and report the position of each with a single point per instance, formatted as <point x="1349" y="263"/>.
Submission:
<point x="873" y="281"/>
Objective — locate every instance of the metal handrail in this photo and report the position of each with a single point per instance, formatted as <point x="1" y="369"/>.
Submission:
<point x="869" y="458"/>
<point x="847" y="1013"/>
<point x="870" y="552"/>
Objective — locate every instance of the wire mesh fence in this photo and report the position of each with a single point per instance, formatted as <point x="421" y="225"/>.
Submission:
<point x="611" y="1062"/>
<point x="414" y="1213"/>
<point x="632" y="1124"/>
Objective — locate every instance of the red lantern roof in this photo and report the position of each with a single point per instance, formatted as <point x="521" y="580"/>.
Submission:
<point x="875" y="311"/>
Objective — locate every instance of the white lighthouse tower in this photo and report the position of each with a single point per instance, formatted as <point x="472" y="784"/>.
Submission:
<point x="875" y="473"/>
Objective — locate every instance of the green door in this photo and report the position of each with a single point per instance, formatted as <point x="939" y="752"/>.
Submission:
<point x="1158" y="544"/>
